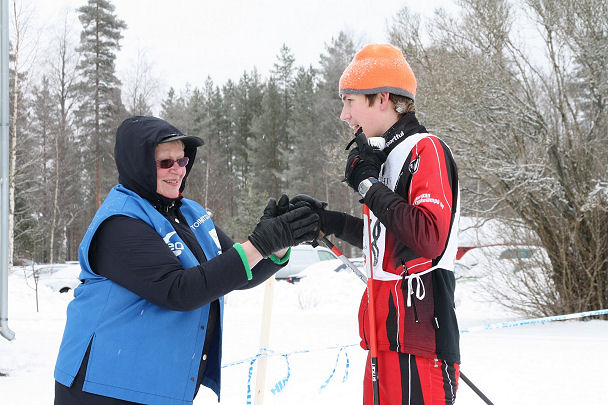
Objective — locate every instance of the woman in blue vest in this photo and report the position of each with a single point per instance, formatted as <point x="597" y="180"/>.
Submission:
<point x="145" y="325"/>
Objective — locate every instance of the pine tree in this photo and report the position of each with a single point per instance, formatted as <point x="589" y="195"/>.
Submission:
<point x="307" y="140"/>
<point x="266" y="154"/>
<point x="229" y="143"/>
<point x="197" y="124"/>
<point x="174" y="109"/>
<point x="44" y="130"/>
<point x="101" y="109"/>
<point x="338" y="54"/>
<point x="248" y="106"/>
<point x="221" y="126"/>
<point x="282" y="74"/>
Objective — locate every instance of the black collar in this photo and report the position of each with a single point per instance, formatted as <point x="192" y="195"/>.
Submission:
<point x="164" y="204"/>
<point x="406" y="126"/>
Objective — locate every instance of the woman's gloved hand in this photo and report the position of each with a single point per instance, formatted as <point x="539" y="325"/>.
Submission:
<point x="283" y="226"/>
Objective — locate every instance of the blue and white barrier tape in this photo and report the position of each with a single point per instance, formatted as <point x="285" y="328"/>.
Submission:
<point x="501" y="325"/>
<point x="335" y="367"/>
<point x="280" y="385"/>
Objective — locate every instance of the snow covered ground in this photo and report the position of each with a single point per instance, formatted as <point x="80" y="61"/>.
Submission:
<point x="551" y="363"/>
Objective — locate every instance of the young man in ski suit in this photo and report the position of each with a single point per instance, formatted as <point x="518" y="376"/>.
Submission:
<point x="411" y="189"/>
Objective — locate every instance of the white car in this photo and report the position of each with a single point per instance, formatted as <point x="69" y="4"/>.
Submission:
<point x="477" y="262"/>
<point x="303" y="256"/>
<point x="61" y="277"/>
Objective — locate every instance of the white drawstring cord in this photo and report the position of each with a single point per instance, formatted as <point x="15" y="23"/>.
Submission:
<point x="420" y="290"/>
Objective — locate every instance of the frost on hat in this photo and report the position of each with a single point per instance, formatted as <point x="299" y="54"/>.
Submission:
<point x="377" y="69"/>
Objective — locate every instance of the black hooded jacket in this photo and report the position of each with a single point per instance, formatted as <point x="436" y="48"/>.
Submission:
<point x="140" y="260"/>
<point x="132" y="254"/>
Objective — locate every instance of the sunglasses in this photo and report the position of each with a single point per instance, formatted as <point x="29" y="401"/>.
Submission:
<point x="168" y="163"/>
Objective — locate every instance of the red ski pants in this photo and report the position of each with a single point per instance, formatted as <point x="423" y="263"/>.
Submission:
<point x="410" y="380"/>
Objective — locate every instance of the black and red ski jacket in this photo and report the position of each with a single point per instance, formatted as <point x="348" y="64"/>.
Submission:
<point x="414" y="221"/>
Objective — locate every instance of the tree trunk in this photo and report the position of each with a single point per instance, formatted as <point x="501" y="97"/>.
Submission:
<point x="13" y="143"/>
<point x="97" y="119"/>
<point x="56" y="192"/>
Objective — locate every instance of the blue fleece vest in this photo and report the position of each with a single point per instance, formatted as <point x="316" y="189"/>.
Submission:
<point x="140" y="352"/>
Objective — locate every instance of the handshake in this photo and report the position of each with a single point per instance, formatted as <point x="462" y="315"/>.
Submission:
<point x="288" y="223"/>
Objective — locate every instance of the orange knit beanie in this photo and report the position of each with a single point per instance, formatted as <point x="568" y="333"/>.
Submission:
<point x="377" y="69"/>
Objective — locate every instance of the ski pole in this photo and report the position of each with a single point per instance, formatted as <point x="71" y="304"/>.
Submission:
<point x="372" y="310"/>
<point x="362" y="277"/>
<point x="344" y="259"/>
<point x="475" y="389"/>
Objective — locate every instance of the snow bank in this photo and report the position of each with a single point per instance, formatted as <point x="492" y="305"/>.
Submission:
<point x="311" y="321"/>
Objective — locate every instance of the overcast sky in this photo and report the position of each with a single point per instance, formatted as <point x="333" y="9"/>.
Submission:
<point x="187" y="40"/>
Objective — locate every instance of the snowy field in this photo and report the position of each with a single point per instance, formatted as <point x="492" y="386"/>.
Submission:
<point x="551" y="363"/>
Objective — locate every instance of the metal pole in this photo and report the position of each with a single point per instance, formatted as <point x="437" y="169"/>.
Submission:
<point x="475" y="389"/>
<point x="344" y="259"/>
<point x="4" y="153"/>
<point x="371" y="303"/>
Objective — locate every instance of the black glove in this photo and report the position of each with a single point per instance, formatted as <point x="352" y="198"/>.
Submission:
<point x="274" y="233"/>
<point x="330" y="222"/>
<point x="274" y="209"/>
<point x="363" y="161"/>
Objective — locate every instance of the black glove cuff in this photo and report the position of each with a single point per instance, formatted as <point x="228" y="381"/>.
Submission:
<point x="332" y="222"/>
<point x="259" y="244"/>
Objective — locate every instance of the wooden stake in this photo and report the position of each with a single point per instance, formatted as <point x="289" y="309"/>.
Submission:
<point x="260" y="379"/>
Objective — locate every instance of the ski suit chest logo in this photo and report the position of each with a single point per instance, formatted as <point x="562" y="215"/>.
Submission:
<point x="176" y="247"/>
<point x="414" y="165"/>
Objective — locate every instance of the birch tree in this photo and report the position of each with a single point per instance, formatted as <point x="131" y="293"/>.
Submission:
<point x="19" y="59"/>
<point x="63" y="76"/>
<point x="140" y="86"/>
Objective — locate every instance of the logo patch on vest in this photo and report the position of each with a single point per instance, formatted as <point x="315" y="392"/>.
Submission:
<point x="199" y="222"/>
<point x="176" y="247"/>
<point x="414" y="164"/>
<point x="213" y="234"/>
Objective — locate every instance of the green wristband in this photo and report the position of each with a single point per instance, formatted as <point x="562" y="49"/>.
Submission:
<point x="241" y="252"/>
<point x="282" y="261"/>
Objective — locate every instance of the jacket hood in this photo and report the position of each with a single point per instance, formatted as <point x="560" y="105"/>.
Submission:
<point x="136" y="141"/>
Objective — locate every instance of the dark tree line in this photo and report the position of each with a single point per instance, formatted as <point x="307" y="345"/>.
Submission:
<point x="263" y="136"/>
<point x="529" y="133"/>
<point x="64" y="135"/>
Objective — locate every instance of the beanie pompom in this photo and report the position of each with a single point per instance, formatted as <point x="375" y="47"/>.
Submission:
<point x="377" y="69"/>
